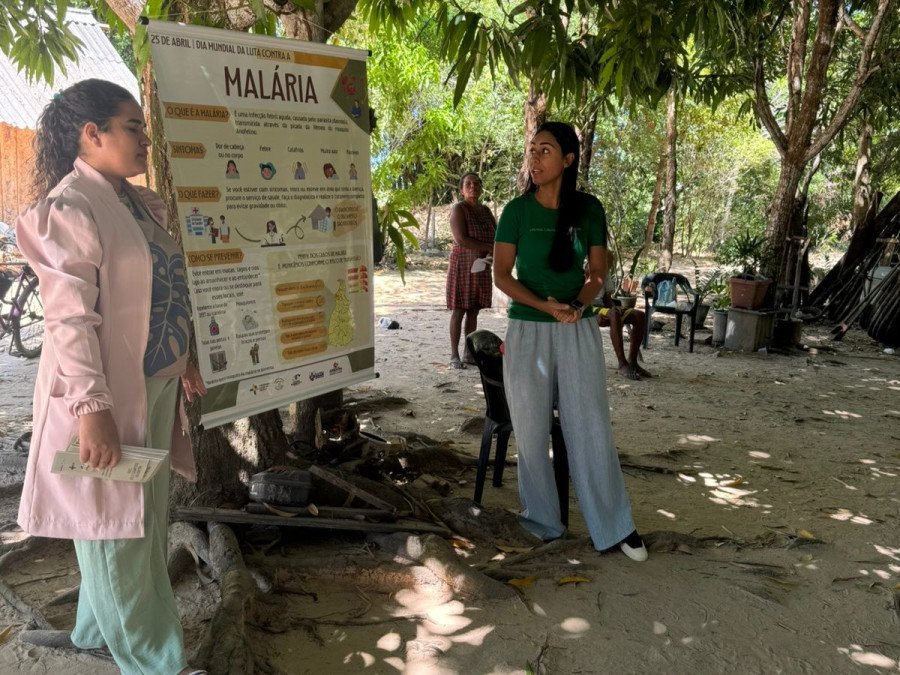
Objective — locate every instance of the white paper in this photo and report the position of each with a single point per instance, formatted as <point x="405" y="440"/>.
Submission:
<point x="137" y="465"/>
<point x="481" y="264"/>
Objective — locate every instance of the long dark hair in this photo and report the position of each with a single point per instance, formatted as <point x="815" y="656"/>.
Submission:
<point x="56" y="144"/>
<point x="562" y="253"/>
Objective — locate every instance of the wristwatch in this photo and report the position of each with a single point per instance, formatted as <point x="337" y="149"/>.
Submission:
<point x="577" y="304"/>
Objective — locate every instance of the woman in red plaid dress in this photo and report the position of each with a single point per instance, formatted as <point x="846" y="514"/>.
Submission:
<point x="472" y="225"/>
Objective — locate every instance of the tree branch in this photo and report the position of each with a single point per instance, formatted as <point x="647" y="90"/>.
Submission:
<point x="128" y="11"/>
<point x="796" y="63"/>
<point x="819" y="60"/>
<point x="863" y="73"/>
<point x="764" y="108"/>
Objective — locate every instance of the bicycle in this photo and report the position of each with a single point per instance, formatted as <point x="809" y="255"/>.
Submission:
<point x="24" y="317"/>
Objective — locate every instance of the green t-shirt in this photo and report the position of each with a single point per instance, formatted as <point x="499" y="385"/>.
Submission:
<point x="531" y="227"/>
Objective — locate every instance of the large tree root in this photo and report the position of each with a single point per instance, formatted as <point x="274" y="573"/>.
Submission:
<point x="226" y="648"/>
<point x="188" y="546"/>
<point x="439" y="558"/>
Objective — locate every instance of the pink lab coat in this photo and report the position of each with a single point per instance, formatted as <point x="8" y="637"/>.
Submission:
<point x="94" y="266"/>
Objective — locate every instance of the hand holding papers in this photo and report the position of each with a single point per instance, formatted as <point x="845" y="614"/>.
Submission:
<point x="137" y="465"/>
<point x="481" y="264"/>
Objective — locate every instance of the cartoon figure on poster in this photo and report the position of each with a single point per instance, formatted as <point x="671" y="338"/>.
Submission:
<point x="329" y="171"/>
<point x="353" y="173"/>
<point x="272" y="237"/>
<point x="340" y="327"/>
<point x="231" y="170"/>
<point x="224" y="231"/>
<point x="299" y="172"/>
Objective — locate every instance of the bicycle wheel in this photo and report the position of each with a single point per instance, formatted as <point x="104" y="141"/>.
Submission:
<point x="28" y="323"/>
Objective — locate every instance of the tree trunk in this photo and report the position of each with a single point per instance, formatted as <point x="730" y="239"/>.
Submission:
<point x="668" y="238"/>
<point x="535" y="116"/>
<point x="862" y="183"/>
<point x="654" y="202"/>
<point x="587" y="147"/>
<point x="780" y="216"/>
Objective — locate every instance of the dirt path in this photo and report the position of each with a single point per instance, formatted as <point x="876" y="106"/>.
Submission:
<point x="781" y="470"/>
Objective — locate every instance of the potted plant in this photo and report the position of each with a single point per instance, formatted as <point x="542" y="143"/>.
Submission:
<point x="708" y="287"/>
<point x="748" y="288"/>
<point x="721" y="302"/>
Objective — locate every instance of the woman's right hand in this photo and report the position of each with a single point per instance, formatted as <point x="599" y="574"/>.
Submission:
<point x="98" y="440"/>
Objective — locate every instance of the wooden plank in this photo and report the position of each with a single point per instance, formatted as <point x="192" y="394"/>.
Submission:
<point x="324" y="511"/>
<point x="351" y="488"/>
<point x="205" y="514"/>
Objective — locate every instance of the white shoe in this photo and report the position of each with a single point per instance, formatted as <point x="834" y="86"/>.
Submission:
<point x="638" y="554"/>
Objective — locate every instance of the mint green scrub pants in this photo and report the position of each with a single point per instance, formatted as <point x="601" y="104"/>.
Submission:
<point x="126" y="602"/>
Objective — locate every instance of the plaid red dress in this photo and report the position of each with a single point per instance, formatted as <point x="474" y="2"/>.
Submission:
<point x="466" y="290"/>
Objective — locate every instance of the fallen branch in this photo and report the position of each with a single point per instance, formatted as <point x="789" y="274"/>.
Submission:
<point x="33" y="617"/>
<point x="555" y="546"/>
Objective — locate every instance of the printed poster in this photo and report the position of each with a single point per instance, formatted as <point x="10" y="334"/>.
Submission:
<point x="268" y="141"/>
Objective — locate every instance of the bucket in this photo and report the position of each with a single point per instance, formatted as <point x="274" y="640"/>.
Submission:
<point x="720" y="323"/>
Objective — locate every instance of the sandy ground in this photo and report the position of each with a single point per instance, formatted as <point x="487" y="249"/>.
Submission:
<point x="782" y="469"/>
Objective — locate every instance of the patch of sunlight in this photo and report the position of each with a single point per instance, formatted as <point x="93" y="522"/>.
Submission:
<point x="537" y="609"/>
<point x="575" y="625"/>
<point x="367" y="659"/>
<point x="696" y="439"/>
<point x="863" y="658"/>
<point x="667" y="514"/>
<point x="419" y="599"/>
<point x="709" y="480"/>
<point x="882" y="574"/>
<point x="894" y="568"/>
<point x="867" y="461"/>
<point x="573" y="561"/>
<point x="447" y="618"/>
<point x="684" y="478"/>
<point x="891" y="553"/>
<point x="846" y="515"/>
<point x="659" y="628"/>
<point x="396" y="663"/>
<point x="687" y="640"/>
<point x="843" y="414"/>
<point x="759" y="454"/>
<point x="734" y="497"/>
<point x="389" y="642"/>
<point x="474" y="637"/>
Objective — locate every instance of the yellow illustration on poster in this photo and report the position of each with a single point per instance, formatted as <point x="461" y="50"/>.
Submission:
<point x="269" y="147"/>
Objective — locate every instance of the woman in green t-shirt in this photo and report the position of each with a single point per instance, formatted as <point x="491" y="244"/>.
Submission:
<point x="553" y="354"/>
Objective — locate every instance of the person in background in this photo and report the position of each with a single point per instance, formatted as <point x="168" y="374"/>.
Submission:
<point x="472" y="225"/>
<point x="611" y="314"/>
<point x="114" y="366"/>
<point x="553" y="355"/>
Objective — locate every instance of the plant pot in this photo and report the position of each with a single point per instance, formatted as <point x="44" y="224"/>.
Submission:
<point x="720" y="323"/>
<point x="702" y="312"/>
<point x="748" y="293"/>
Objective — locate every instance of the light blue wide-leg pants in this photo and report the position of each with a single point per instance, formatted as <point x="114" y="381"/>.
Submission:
<point x="126" y="602"/>
<point x="543" y="361"/>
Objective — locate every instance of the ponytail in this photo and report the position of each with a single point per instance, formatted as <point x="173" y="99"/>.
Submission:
<point x="57" y="142"/>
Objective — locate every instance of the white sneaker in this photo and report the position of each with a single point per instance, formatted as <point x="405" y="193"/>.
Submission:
<point x="636" y="553"/>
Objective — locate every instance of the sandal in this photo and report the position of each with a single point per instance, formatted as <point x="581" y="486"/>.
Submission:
<point x="456" y="364"/>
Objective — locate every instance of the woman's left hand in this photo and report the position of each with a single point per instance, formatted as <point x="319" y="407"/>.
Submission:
<point x="192" y="383"/>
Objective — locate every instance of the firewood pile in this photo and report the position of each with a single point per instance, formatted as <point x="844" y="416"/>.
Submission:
<point x="864" y="285"/>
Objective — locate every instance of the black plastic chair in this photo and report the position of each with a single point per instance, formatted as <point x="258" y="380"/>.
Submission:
<point x="484" y="346"/>
<point x="672" y="305"/>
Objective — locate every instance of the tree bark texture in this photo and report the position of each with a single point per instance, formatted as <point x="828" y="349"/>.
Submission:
<point x="535" y="116"/>
<point x="670" y="204"/>
<point x="586" y="135"/>
<point x="654" y="202"/>
<point x="807" y="76"/>
<point x="862" y="181"/>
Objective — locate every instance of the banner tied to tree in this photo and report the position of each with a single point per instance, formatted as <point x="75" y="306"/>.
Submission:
<point x="269" y="147"/>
